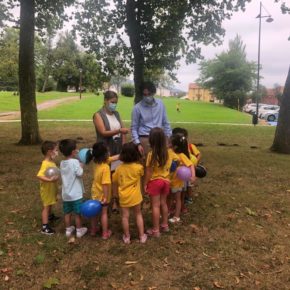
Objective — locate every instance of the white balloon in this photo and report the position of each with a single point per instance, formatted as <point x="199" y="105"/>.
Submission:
<point x="52" y="172"/>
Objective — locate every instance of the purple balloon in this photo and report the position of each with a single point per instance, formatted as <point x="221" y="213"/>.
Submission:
<point x="183" y="173"/>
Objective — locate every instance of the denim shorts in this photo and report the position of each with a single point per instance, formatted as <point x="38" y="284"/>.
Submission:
<point x="72" y="206"/>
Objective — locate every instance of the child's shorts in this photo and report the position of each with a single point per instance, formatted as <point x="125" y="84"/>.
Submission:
<point x="72" y="206"/>
<point x="176" y="189"/>
<point x="158" y="187"/>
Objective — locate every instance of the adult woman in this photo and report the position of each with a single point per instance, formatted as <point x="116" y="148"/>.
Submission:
<point x="109" y="128"/>
<point x="108" y="124"/>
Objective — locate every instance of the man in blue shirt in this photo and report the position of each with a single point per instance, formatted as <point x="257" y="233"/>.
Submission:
<point x="147" y="114"/>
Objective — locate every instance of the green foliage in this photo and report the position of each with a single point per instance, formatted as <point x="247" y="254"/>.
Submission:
<point x="9" y="47"/>
<point x="160" y="32"/>
<point x="229" y="75"/>
<point x="127" y="90"/>
<point x="39" y="259"/>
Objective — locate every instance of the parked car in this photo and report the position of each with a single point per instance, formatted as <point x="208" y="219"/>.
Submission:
<point x="271" y="117"/>
<point x="253" y="107"/>
<point x="268" y="108"/>
<point x="267" y="113"/>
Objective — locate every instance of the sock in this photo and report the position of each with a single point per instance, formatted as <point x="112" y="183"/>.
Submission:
<point x="44" y="226"/>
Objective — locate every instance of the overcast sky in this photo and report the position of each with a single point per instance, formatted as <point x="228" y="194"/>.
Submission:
<point x="275" y="47"/>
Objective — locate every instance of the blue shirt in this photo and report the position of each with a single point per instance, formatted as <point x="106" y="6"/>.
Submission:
<point x="145" y="117"/>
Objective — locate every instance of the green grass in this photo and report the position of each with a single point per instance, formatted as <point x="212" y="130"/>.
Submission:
<point x="10" y="102"/>
<point x="90" y="103"/>
<point x="190" y="111"/>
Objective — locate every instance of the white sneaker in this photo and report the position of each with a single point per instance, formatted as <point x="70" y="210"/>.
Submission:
<point x="81" y="232"/>
<point x="69" y="231"/>
<point x="174" y="220"/>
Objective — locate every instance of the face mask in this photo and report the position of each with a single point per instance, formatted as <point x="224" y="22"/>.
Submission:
<point x="112" y="107"/>
<point x="148" y="99"/>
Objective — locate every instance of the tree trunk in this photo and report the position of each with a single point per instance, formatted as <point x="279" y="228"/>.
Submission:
<point x="29" y="121"/>
<point x="281" y="142"/>
<point x="133" y="28"/>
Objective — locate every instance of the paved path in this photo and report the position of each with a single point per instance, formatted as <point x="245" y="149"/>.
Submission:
<point x="42" y="106"/>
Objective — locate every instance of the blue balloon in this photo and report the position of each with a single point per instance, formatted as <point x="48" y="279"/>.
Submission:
<point x="91" y="208"/>
<point x="85" y="155"/>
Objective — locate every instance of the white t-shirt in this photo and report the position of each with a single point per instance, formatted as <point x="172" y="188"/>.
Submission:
<point x="72" y="182"/>
<point x="114" y="124"/>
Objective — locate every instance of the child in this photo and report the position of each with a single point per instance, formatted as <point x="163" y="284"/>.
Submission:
<point x="128" y="179"/>
<point x="180" y="147"/>
<point x="195" y="157"/>
<point x="101" y="187"/>
<point x="48" y="185"/>
<point x="71" y="171"/>
<point x="156" y="182"/>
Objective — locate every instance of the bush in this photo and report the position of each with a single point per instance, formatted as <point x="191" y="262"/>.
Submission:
<point x="128" y="90"/>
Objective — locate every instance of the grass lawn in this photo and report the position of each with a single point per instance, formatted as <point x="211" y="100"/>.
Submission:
<point x="235" y="235"/>
<point x="90" y="103"/>
<point x="9" y="102"/>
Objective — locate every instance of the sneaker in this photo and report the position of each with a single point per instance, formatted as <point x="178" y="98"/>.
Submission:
<point x="174" y="220"/>
<point x="47" y="231"/>
<point x="69" y="231"/>
<point x="53" y="217"/>
<point x="153" y="233"/>
<point x="164" y="228"/>
<point x="143" y="239"/>
<point x="106" y="235"/>
<point x="188" y="200"/>
<point x="81" y="232"/>
<point x="126" y="239"/>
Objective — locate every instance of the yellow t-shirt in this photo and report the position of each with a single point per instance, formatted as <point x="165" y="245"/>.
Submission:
<point x="183" y="161"/>
<point x="193" y="153"/>
<point x="48" y="189"/>
<point x="128" y="177"/>
<point x="162" y="172"/>
<point x="102" y="176"/>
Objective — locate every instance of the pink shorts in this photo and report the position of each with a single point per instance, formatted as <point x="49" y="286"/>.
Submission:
<point x="158" y="187"/>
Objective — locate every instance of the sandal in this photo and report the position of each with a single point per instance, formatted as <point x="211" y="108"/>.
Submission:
<point x="153" y="233"/>
<point x="143" y="239"/>
<point x="106" y="235"/>
<point x="126" y="239"/>
<point x="164" y="228"/>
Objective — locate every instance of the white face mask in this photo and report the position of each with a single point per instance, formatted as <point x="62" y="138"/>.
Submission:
<point x="148" y="99"/>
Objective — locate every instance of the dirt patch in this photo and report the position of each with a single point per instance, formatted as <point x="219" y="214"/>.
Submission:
<point x="43" y="106"/>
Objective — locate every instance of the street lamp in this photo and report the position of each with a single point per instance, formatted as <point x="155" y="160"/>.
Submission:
<point x="269" y="19"/>
<point x="80" y="85"/>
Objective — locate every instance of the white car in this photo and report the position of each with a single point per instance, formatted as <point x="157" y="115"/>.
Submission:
<point x="251" y="108"/>
<point x="271" y="117"/>
<point x="268" y="108"/>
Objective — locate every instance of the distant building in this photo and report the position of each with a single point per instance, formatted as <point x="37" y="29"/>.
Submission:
<point x="197" y="93"/>
<point x="271" y="96"/>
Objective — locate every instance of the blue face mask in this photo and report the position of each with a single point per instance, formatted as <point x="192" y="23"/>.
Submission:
<point x="148" y="99"/>
<point x="112" y="107"/>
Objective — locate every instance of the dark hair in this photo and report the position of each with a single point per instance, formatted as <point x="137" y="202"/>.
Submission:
<point x="130" y="153"/>
<point x="179" y="130"/>
<point x="100" y="152"/>
<point x="67" y="146"/>
<point x="179" y="144"/>
<point x="108" y="95"/>
<point x="47" y="145"/>
<point x="149" y="86"/>
<point x="157" y="141"/>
